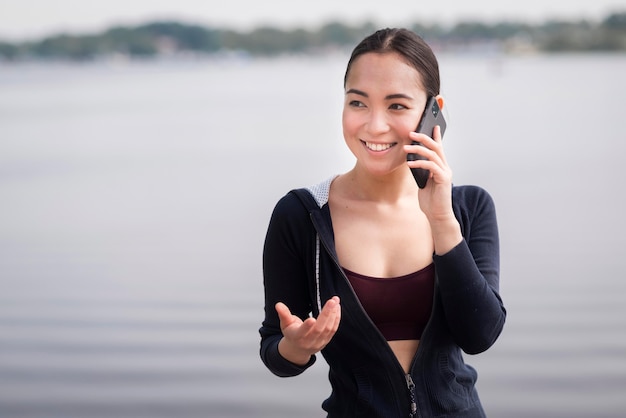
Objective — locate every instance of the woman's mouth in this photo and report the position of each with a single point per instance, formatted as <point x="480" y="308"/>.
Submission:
<point x="378" y="147"/>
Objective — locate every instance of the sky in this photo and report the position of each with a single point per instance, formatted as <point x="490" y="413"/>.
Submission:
<point x="32" y="19"/>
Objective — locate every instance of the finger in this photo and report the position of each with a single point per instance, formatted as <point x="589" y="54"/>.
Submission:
<point x="419" y="137"/>
<point x="428" y="148"/>
<point x="431" y="159"/>
<point x="312" y="334"/>
<point x="424" y="145"/>
<point x="337" y="320"/>
<point x="437" y="134"/>
<point x="424" y="138"/>
<point x="309" y="336"/>
<point x="308" y="328"/>
<point x="438" y="138"/>
<point x="328" y="323"/>
<point x="284" y="315"/>
<point x="316" y="339"/>
<point x="331" y="327"/>
<point x="328" y="313"/>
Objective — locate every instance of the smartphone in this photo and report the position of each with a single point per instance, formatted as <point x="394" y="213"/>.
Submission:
<point x="431" y="117"/>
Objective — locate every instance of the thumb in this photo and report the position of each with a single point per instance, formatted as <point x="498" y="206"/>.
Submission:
<point x="284" y="315"/>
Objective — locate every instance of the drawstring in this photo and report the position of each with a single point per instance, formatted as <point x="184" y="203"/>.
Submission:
<point x="317" y="273"/>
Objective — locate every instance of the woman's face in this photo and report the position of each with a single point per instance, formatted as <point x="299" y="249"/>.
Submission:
<point x="384" y="101"/>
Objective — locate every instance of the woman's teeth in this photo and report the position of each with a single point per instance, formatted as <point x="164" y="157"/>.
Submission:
<point x="378" y="147"/>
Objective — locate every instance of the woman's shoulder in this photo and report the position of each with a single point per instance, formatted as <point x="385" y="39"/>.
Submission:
<point x="302" y="200"/>
<point x="321" y="191"/>
<point x="469" y="192"/>
<point x="471" y="198"/>
<point x="288" y="204"/>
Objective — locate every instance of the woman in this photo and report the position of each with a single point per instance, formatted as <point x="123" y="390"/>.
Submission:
<point x="388" y="280"/>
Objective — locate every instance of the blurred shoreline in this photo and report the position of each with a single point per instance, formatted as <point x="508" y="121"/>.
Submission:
<point x="174" y="39"/>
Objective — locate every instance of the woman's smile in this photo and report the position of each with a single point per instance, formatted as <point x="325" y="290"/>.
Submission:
<point x="378" y="147"/>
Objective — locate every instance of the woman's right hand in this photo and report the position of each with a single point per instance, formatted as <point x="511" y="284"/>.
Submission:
<point x="302" y="339"/>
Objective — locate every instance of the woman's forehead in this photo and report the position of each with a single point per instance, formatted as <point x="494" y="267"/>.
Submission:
<point x="383" y="69"/>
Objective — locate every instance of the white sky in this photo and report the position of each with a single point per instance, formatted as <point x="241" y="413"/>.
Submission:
<point x="27" y="19"/>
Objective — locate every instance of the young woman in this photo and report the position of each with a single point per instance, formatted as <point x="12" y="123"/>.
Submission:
<point x="389" y="281"/>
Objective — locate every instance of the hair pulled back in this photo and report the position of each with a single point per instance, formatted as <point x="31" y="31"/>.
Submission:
<point x="410" y="46"/>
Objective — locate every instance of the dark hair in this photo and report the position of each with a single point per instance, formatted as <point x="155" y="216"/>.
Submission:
<point x="410" y="46"/>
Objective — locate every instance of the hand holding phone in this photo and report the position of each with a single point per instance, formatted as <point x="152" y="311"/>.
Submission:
<point x="431" y="117"/>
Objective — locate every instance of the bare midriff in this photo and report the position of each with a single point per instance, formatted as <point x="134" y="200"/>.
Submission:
<point x="405" y="351"/>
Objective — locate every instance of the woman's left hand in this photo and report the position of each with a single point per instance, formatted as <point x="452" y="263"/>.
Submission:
<point x="435" y="199"/>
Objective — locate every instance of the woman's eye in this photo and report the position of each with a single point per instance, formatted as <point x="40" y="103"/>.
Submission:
<point x="397" y="106"/>
<point x="356" y="103"/>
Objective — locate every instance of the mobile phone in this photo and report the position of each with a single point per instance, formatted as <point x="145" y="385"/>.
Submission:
<point x="431" y="117"/>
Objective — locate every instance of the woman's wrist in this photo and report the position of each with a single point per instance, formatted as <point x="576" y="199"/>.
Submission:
<point x="292" y="354"/>
<point x="446" y="235"/>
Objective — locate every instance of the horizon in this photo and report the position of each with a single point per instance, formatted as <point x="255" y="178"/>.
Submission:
<point x="446" y="26"/>
<point x="37" y="19"/>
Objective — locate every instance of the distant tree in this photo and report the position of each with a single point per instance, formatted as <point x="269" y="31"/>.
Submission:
<point x="507" y="30"/>
<point x="127" y="41"/>
<point x="470" y="31"/>
<point x="433" y="31"/>
<point x="267" y="41"/>
<point x="613" y="33"/>
<point x="154" y="38"/>
<point x="616" y="21"/>
<point x="583" y="36"/>
<point x="187" y="37"/>
<point x="66" y="46"/>
<point x="8" y="51"/>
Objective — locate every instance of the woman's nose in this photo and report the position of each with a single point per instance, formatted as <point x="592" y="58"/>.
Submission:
<point x="377" y="123"/>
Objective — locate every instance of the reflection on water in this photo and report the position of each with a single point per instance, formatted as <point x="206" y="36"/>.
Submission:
<point x="135" y="201"/>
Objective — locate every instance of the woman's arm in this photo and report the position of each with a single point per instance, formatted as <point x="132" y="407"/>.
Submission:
<point x="467" y="256"/>
<point x="284" y="280"/>
<point x="289" y="341"/>
<point x="468" y="274"/>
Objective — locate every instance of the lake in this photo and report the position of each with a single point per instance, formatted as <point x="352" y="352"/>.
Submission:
<point x="134" y="199"/>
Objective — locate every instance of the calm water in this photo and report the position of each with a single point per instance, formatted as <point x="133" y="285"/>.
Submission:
<point x="134" y="200"/>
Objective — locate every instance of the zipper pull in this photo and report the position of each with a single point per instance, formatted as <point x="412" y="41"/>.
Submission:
<point x="411" y="385"/>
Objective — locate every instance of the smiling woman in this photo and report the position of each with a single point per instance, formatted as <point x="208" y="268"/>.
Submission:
<point x="383" y="102"/>
<point x="390" y="282"/>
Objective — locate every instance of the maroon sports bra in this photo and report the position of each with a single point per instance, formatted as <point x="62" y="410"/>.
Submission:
<point x="400" y="306"/>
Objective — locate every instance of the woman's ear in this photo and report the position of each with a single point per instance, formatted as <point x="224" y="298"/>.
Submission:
<point x="440" y="101"/>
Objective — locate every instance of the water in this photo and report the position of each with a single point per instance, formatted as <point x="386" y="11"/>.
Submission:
<point x="134" y="200"/>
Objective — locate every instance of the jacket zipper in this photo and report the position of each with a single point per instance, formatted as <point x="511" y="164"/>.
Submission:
<point x="411" y="385"/>
<point x="413" y="413"/>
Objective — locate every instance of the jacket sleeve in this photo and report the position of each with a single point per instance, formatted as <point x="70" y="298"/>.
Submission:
<point x="468" y="275"/>
<point x="285" y="279"/>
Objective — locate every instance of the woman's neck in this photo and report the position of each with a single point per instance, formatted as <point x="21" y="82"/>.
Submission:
<point x="390" y="188"/>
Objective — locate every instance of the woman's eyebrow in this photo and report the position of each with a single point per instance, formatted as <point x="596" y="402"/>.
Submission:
<point x="398" y="96"/>
<point x="388" y="97"/>
<point x="359" y="92"/>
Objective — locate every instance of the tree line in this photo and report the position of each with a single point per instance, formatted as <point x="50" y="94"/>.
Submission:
<point x="159" y="38"/>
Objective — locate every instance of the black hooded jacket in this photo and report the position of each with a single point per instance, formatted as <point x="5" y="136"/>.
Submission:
<point x="301" y="269"/>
